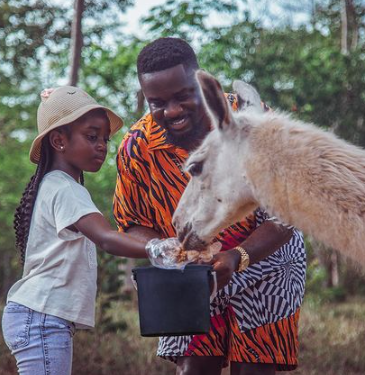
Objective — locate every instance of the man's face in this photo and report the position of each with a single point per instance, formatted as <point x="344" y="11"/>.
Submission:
<point x="176" y="104"/>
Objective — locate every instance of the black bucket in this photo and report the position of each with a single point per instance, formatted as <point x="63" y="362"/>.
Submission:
<point x="173" y="302"/>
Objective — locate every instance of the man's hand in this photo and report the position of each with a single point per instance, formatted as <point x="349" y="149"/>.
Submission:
<point x="225" y="263"/>
<point x="263" y="242"/>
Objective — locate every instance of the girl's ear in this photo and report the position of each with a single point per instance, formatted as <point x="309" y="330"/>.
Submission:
<point x="58" y="140"/>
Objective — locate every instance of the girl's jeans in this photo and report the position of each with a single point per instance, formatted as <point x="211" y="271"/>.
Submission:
<point x="41" y="343"/>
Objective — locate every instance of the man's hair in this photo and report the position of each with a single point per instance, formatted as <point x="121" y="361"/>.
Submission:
<point x="164" y="53"/>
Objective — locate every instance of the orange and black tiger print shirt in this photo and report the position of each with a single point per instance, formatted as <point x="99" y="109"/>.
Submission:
<point x="151" y="181"/>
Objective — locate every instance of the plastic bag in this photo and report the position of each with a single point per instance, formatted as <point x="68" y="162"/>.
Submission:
<point x="169" y="254"/>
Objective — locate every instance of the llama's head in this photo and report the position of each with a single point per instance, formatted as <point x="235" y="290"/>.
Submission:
<point x="218" y="192"/>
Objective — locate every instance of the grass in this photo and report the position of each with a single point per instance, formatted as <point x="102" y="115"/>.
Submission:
<point x="332" y="337"/>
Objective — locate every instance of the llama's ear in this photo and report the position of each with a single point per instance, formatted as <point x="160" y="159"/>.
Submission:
<point x="214" y="99"/>
<point x="248" y="97"/>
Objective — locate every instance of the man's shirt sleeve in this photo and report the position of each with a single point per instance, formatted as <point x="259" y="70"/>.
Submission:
<point x="131" y="203"/>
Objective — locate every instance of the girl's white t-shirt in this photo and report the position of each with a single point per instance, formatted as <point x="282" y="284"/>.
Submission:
<point x="60" y="268"/>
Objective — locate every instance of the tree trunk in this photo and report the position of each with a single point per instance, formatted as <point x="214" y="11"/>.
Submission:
<point x="353" y="24"/>
<point x="329" y="259"/>
<point x="76" y="42"/>
<point x="335" y="274"/>
<point x="344" y="30"/>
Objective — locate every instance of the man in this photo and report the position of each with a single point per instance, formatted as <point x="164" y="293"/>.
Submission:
<point x="254" y="318"/>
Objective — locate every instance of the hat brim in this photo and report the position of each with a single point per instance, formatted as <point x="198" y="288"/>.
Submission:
<point x="115" y="124"/>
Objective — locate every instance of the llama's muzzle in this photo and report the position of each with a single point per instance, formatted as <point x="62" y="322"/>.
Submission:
<point x="189" y="239"/>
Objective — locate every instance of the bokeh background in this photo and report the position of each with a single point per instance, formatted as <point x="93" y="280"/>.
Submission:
<point x="304" y="57"/>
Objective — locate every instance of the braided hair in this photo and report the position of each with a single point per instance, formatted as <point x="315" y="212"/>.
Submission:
<point x="23" y="213"/>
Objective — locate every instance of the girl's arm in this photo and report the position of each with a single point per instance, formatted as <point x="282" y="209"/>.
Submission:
<point x="97" y="229"/>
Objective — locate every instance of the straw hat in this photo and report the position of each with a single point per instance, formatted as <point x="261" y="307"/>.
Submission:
<point x="62" y="106"/>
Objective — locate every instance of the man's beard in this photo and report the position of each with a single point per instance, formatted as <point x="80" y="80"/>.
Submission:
<point x="190" y="140"/>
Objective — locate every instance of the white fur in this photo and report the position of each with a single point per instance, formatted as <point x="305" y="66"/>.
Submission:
<point x="299" y="173"/>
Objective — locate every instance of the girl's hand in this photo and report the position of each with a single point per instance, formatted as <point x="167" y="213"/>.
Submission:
<point x="166" y="253"/>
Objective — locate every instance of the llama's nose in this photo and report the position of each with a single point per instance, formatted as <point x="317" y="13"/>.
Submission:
<point x="183" y="232"/>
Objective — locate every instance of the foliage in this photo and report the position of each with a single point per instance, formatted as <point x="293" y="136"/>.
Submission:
<point x="111" y="75"/>
<point x="184" y="19"/>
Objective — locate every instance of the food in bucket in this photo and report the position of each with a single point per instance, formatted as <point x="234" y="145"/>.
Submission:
<point x="169" y="253"/>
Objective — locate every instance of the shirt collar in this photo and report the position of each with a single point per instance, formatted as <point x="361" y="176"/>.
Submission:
<point x="157" y="139"/>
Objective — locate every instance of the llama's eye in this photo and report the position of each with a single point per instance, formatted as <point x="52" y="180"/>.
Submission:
<point x="195" y="169"/>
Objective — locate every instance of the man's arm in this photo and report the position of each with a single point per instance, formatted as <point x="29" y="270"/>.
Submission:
<point x="263" y="242"/>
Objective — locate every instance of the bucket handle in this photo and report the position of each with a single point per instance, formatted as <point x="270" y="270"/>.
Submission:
<point x="134" y="282"/>
<point x="215" y="285"/>
<point x="212" y="295"/>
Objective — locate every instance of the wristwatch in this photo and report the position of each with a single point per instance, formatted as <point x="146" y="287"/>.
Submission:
<point x="245" y="259"/>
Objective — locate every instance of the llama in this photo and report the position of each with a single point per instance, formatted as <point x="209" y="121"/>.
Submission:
<point x="302" y="175"/>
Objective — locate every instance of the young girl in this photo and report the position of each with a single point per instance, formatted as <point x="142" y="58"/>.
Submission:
<point x="57" y="226"/>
